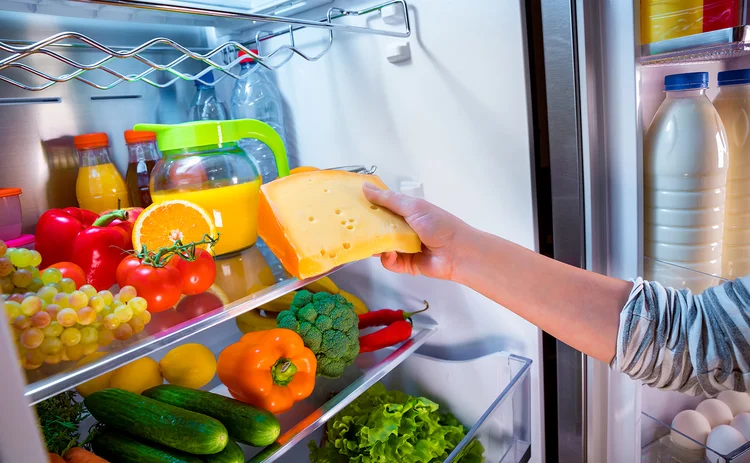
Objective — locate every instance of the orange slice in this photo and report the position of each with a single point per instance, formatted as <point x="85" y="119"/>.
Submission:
<point x="161" y="224"/>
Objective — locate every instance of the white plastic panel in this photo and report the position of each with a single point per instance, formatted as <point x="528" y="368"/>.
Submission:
<point x="459" y="126"/>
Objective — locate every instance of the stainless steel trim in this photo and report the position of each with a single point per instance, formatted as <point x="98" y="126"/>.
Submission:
<point x="304" y="428"/>
<point x="559" y="22"/>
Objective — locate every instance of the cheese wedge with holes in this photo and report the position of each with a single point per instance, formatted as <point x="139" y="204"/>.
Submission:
<point x="316" y="221"/>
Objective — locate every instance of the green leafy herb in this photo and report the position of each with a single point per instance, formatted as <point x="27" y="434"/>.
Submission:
<point x="384" y="425"/>
<point x="59" y="418"/>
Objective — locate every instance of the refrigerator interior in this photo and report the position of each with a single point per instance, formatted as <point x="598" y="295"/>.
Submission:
<point x="458" y="135"/>
<point x="660" y="407"/>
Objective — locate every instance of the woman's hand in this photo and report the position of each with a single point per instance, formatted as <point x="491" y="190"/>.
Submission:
<point x="442" y="235"/>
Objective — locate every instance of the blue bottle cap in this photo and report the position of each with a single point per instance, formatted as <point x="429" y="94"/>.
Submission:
<point x="736" y="77"/>
<point x="686" y="81"/>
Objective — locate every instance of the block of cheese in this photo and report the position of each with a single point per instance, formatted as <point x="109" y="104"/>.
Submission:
<point x="316" y="221"/>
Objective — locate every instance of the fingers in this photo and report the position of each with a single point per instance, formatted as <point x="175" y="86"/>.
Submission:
<point x="396" y="202"/>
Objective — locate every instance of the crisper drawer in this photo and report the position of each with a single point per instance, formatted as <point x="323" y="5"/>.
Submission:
<point x="489" y="395"/>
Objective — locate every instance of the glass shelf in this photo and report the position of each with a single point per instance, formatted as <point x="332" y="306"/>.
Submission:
<point x="663" y="449"/>
<point x="708" y="46"/>
<point x="332" y="395"/>
<point x="676" y="276"/>
<point x="241" y="279"/>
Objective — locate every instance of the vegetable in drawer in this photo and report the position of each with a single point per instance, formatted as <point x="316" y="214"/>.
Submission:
<point x="120" y="447"/>
<point x="245" y="423"/>
<point x="159" y="422"/>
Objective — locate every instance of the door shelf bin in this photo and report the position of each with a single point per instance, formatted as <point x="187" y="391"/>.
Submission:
<point x="664" y="450"/>
<point x="496" y="411"/>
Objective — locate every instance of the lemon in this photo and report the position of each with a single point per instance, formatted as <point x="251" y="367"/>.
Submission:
<point x="98" y="383"/>
<point x="189" y="365"/>
<point x="137" y="376"/>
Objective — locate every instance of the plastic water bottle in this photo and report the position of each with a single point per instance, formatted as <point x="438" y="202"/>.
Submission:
<point x="256" y="97"/>
<point x="206" y="106"/>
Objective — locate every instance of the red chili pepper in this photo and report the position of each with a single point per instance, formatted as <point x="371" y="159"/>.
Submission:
<point x="398" y="330"/>
<point x="392" y="334"/>
<point x="386" y="316"/>
<point x="99" y="249"/>
<point x="56" y="230"/>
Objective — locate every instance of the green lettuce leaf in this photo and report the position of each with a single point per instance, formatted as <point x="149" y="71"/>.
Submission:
<point x="385" y="426"/>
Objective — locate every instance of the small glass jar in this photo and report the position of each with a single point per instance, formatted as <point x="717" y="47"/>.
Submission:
<point x="203" y="163"/>
<point x="143" y="155"/>
<point x="99" y="186"/>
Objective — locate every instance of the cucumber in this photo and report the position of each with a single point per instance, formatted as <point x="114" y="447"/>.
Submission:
<point x="119" y="447"/>
<point x="245" y="423"/>
<point x="158" y="422"/>
<point x="232" y="453"/>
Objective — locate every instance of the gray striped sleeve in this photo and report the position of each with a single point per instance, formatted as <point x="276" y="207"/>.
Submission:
<point x="674" y="340"/>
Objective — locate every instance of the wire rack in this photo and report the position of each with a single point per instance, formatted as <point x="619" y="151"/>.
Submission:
<point x="222" y="58"/>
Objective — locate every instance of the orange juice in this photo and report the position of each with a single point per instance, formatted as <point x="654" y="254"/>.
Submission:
<point x="98" y="188"/>
<point x="233" y="208"/>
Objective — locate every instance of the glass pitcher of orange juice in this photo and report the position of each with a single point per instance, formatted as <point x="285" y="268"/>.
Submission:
<point x="99" y="186"/>
<point x="202" y="163"/>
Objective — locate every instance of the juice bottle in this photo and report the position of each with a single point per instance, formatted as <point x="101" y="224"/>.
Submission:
<point x="143" y="156"/>
<point x="99" y="186"/>
<point x="733" y="105"/>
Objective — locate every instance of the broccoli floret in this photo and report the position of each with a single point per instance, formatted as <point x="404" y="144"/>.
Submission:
<point x="302" y="298"/>
<point x="324" y="323"/>
<point x="307" y="313"/>
<point x="327" y="324"/>
<point x="313" y="338"/>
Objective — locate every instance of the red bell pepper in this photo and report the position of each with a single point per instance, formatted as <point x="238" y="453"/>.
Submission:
<point x="99" y="249"/>
<point x="56" y="230"/>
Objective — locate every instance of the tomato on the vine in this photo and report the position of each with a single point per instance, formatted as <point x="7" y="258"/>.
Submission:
<point x="160" y="286"/>
<point x="127" y="265"/>
<point x="196" y="276"/>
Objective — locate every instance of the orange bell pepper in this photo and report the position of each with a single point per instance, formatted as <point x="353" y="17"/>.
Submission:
<point x="270" y="369"/>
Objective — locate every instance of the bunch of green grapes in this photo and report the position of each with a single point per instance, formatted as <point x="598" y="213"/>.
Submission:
<point x="59" y="322"/>
<point x="19" y="272"/>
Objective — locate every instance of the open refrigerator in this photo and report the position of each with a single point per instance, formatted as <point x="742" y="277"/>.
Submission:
<point x="525" y="119"/>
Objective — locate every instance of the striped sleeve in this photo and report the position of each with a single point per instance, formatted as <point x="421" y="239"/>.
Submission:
<point x="675" y="340"/>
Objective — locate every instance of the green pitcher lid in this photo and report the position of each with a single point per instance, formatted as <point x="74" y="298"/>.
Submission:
<point x="204" y="133"/>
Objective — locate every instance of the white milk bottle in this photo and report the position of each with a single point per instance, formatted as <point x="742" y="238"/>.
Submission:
<point x="733" y="105"/>
<point x="685" y="174"/>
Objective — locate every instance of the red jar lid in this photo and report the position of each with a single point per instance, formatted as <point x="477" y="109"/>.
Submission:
<point x="91" y="140"/>
<point x="20" y="242"/>
<point x="139" y="136"/>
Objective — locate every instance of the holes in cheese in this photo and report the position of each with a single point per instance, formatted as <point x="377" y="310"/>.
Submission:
<point x="345" y="227"/>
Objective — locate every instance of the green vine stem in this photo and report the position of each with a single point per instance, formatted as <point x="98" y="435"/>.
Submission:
<point x="161" y="257"/>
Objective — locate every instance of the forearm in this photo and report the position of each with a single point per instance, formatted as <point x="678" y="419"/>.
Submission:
<point x="578" y="307"/>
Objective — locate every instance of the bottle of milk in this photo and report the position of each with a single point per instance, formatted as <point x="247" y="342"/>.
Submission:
<point x="685" y="174"/>
<point x="733" y="105"/>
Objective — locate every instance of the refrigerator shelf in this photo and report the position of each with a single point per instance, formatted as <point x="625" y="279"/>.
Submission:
<point x="239" y="274"/>
<point x="708" y="46"/>
<point x="676" y="276"/>
<point x="663" y="449"/>
<point x="496" y="411"/>
<point x="217" y="58"/>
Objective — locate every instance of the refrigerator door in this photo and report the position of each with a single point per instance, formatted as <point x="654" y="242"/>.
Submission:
<point x="452" y="118"/>
<point x="612" y="191"/>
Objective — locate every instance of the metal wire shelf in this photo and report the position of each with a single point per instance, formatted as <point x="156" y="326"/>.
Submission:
<point x="221" y="58"/>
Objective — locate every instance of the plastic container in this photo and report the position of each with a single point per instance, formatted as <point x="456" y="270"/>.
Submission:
<point x="733" y="105"/>
<point x="203" y="163"/>
<point x="23" y="241"/>
<point x="10" y="213"/>
<point x="143" y="155"/>
<point x="256" y="97"/>
<point x="685" y="172"/>
<point x="670" y="19"/>
<point x="99" y="186"/>
<point x="206" y="106"/>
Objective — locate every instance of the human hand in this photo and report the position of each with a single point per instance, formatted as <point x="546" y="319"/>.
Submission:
<point x="442" y="234"/>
